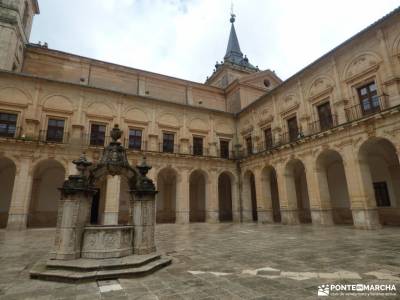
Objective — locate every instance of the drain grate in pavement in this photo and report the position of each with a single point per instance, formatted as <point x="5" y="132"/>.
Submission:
<point x="106" y="286"/>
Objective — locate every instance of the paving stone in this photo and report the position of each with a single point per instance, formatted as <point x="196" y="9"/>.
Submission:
<point x="334" y="255"/>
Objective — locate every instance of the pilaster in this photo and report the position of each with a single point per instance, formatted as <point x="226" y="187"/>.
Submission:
<point x="212" y="198"/>
<point x="287" y="197"/>
<point x="318" y="193"/>
<point x="182" y="197"/>
<point x="361" y="193"/>
<point x="19" y="206"/>
<point x="263" y="195"/>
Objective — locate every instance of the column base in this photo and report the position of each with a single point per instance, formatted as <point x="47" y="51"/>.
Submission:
<point x="212" y="217"/>
<point x="17" y="221"/>
<point x="365" y="218"/>
<point x="322" y="217"/>
<point x="142" y="251"/>
<point x="182" y="217"/>
<point x="110" y="218"/>
<point x="247" y="216"/>
<point x="236" y="216"/>
<point x="290" y="217"/>
<point x="265" y="216"/>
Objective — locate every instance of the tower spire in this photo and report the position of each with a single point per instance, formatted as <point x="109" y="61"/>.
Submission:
<point x="233" y="52"/>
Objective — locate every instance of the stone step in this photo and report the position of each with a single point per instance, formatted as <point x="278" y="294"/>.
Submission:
<point x="86" y="264"/>
<point x="40" y="271"/>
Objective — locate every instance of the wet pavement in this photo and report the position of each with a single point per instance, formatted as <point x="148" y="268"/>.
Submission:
<point x="223" y="261"/>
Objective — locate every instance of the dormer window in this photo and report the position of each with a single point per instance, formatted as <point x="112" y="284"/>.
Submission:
<point x="267" y="83"/>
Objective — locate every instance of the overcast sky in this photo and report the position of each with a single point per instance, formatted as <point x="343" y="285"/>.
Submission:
<point x="184" y="38"/>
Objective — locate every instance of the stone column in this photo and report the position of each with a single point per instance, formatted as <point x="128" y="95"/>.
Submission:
<point x="263" y="195"/>
<point x="318" y="193"/>
<point x="361" y="192"/>
<point x="235" y="200"/>
<point x="247" y="212"/>
<point x="182" y="197"/>
<point x="19" y="206"/>
<point x="143" y="219"/>
<point x="212" y="207"/>
<point x="287" y="196"/>
<point x="73" y="214"/>
<point x="111" y="209"/>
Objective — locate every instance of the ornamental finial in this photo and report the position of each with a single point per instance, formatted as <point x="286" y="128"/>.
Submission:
<point x="116" y="133"/>
<point x="233" y="16"/>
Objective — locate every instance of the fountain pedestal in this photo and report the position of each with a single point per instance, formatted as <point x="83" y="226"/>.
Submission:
<point x="92" y="252"/>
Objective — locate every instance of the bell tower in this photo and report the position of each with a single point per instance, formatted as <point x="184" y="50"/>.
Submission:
<point x="234" y="66"/>
<point x="16" y="17"/>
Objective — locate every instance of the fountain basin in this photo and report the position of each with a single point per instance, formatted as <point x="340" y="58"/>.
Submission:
<point x="107" y="241"/>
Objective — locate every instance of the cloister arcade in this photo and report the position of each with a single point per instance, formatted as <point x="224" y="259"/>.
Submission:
<point x="291" y="191"/>
<point x="48" y="176"/>
<point x="7" y="175"/>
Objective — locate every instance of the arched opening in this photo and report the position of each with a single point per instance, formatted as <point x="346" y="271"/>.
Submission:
<point x="124" y="198"/>
<point x="379" y="163"/>
<point x="333" y="186"/>
<point x="249" y="198"/>
<point x="48" y="176"/>
<point x="225" y="197"/>
<point x="98" y="203"/>
<point x="166" y="197"/>
<point x="270" y="192"/>
<point x="297" y="190"/>
<point x="197" y="195"/>
<point x="7" y="176"/>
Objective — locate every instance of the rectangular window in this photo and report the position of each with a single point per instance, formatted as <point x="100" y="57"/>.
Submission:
<point x="381" y="194"/>
<point x="168" y="142"/>
<point x="249" y="145"/>
<point x="135" y="139"/>
<point x="55" y="130"/>
<point x="325" y="116"/>
<point x="369" y="99"/>
<point x="8" y="124"/>
<point x="197" y="146"/>
<point x="97" y="134"/>
<point x="268" y="138"/>
<point x="293" y="130"/>
<point x="224" y="148"/>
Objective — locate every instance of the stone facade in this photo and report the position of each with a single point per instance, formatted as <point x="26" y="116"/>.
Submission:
<point x="303" y="150"/>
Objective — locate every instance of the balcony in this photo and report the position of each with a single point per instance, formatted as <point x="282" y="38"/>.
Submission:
<point x="53" y="137"/>
<point x="168" y="148"/>
<point x="11" y="133"/>
<point x="143" y="146"/>
<point x="291" y="136"/>
<point x="198" y="151"/>
<point x="322" y="124"/>
<point x="366" y="108"/>
<point x="87" y="139"/>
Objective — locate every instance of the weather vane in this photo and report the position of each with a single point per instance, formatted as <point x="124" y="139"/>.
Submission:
<point x="232" y="14"/>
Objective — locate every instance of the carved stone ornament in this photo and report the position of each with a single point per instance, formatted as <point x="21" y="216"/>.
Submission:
<point x="144" y="185"/>
<point x="113" y="162"/>
<point x="78" y="183"/>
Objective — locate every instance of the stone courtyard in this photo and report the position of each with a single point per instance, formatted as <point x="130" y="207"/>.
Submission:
<point x="221" y="261"/>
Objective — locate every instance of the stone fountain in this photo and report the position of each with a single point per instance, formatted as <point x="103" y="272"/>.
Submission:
<point x="85" y="252"/>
